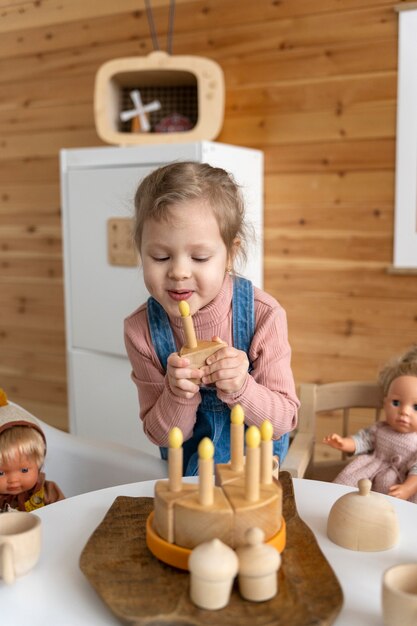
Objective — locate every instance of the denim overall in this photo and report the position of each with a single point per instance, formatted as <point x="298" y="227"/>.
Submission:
<point x="213" y="415"/>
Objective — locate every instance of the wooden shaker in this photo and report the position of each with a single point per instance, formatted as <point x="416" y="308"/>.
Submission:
<point x="258" y="567"/>
<point x="213" y="567"/>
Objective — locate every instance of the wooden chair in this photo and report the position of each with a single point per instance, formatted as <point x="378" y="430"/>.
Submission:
<point x="327" y="398"/>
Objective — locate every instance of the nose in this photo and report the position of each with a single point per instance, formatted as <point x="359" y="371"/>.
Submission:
<point x="179" y="270"/>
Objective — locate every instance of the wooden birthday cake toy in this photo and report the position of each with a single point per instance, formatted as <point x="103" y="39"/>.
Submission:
<point x="186" y="515"/>
<point x="194" y="349"/>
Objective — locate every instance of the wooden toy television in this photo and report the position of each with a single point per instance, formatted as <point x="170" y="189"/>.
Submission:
<point x="187" y="85"/>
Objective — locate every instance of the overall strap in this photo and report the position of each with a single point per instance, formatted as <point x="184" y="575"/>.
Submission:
<point x="243" y="314"/>
<point x="161" y="332"/>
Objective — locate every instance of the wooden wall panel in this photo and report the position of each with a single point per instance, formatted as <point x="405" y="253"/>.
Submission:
<point x="312" y="84"/>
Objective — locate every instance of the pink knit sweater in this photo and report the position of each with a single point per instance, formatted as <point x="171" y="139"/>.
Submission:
<point x="268" y="393"/>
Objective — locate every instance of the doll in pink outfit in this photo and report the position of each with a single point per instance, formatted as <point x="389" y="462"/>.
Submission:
<point x="386" y="453"/>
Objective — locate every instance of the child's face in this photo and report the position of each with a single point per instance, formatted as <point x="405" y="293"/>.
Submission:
<point x="400" y="404"/>
<point x="184" y="257"/>
<point x="17" y="475"/>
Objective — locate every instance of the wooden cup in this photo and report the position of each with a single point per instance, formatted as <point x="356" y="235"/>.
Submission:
<point x="20" y="544"/>
<point x="399" y="595"/>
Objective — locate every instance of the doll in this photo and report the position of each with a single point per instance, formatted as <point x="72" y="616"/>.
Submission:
<point x="22" y="452"/>
<point x="386" y="453"/>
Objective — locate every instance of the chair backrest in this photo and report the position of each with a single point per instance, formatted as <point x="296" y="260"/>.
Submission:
<point x="337" y="396"/>
<point x="331" y="397"/>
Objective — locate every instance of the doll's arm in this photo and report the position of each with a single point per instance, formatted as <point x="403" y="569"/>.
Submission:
<point x="345" y="444"/>
<point x="406" y="490"/>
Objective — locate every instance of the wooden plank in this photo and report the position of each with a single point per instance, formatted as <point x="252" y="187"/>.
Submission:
<point x="337" y="94"/>
<point x="311" y="189"/>
<point x="33" y="364"/>
<point x="29" y="14"/>
<point x="20" y="197"/>
<point x="329" y="216"/>
<point x="342" y="280"/>
<point x="31" y="241"/>
<point x="31" y="267"/>
<point x="24" y="388"/>
<point x="331" y="244"/>
<point x="29" y="170"/>
<point x="288" y="64"/>
<point x="46" y="144"/>
<point x="18" y="337"/>
<point x="331" y="156"/>
<point x="368" y="120"/>
<point x="33" y="305"/>
<point x="50" y="118"/>
<point x="349" y="316"/>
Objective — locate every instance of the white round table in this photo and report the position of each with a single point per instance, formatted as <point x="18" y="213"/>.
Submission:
<point x="56" y="592"/>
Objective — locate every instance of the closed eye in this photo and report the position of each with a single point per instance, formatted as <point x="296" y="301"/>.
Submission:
<point x="160" y="259"/>
<point x="201" y="260"/>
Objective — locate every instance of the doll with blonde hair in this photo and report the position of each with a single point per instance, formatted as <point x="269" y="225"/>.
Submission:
<point x="386" y="453"/>
<point x="189" y="229"/>
<point x="22" y="453"/>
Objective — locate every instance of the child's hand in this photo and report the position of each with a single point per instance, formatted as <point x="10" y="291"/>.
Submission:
<point x="180" y="375"/>
<point x="227" y="369"/>
<point x="345" y="444"/>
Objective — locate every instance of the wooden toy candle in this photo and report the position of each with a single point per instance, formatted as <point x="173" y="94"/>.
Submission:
<point x="252" y="466"/>
<point x="236" y="438"/>
<point x="188" y="326"/>
<point x="266" y="452"/>
<point x="205" y="471"/>
<point x="258" y="566"/>
<point x="175" y="455"/>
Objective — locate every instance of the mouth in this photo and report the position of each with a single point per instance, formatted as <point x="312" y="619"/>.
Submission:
<point x="180" y="295"/>
<point x="403" y="423"/>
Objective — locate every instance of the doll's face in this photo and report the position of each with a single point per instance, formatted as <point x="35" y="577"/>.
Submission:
<point x="400" y="404"/>
<point x="18" y="475"/>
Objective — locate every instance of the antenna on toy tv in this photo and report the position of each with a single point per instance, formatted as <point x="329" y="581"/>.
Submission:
<point x="159" y="98"/>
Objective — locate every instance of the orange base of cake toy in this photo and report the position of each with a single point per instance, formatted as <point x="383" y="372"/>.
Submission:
<point x="177" y="556"/>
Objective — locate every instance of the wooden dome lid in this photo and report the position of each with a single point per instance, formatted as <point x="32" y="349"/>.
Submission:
<point x="363" y="520"/>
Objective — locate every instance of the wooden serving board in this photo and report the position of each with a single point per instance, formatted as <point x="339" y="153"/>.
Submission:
<point x="140" y="590"/>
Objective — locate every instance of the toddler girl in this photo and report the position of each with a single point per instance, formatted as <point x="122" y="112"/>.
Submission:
<point x="189" y="228"/>
<point x="22" y="452"/>
<point x="387" y="451"/>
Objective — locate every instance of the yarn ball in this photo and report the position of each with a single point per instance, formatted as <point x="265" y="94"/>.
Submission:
<point x="174" y="123"/>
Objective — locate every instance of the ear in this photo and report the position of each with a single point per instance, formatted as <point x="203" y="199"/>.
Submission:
<point x="233" y="252"/>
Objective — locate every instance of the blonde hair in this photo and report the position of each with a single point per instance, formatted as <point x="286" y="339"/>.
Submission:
<point x="22" y="440"/>
<point x="183" y="181"/>
<point x="404" y="365"/>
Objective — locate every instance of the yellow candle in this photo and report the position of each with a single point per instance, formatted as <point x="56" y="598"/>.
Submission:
<point x="175" y="454"/>
<point x="187" y="324"/>
<point x="266" y="452"/>
<point x="236" y="438"/>
<point x="252" y="466"/>
<point x="205" y="471"/>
